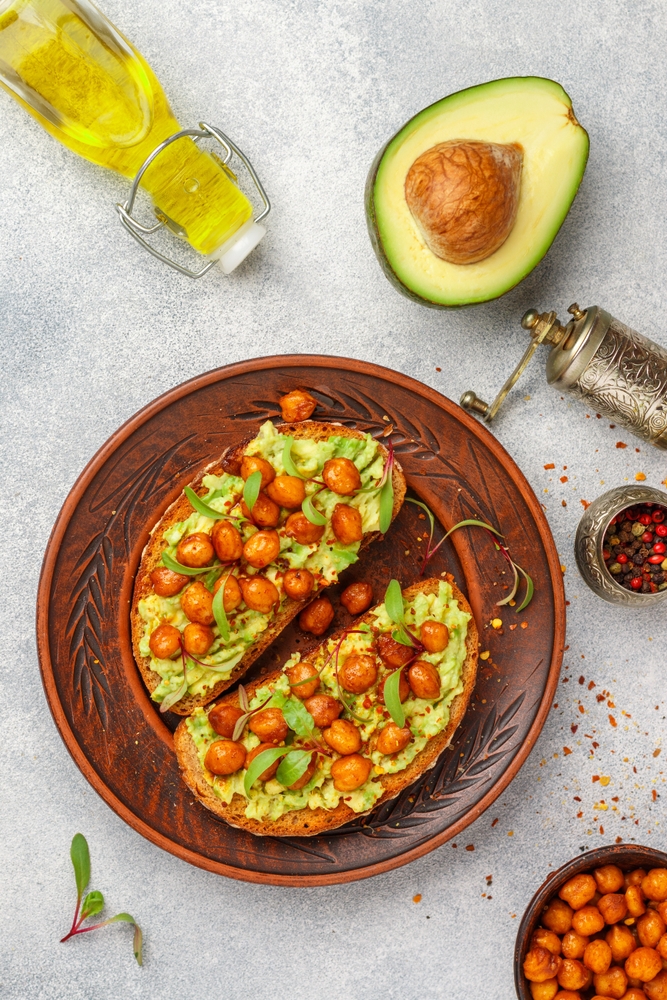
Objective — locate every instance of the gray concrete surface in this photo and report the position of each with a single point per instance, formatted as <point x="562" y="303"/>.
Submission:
<point x="92" y="329"/>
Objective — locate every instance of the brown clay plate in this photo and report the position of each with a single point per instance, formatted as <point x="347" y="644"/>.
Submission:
<point x="115" y="733"/>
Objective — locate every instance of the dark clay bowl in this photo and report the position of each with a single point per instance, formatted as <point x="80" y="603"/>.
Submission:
<point x="626" y="857"/>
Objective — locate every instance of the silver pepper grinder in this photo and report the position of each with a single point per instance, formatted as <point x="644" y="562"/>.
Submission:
<point x="597" y="359"/>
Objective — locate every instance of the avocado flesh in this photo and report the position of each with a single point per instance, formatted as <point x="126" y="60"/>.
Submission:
<point x="532" y="111"/>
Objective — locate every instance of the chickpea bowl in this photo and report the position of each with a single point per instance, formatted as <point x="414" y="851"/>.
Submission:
<point x="597" y="928"/>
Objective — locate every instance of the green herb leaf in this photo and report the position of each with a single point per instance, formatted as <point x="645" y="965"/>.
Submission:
<point x="400" y="635"/>
<point x="211" y="578"/>
<point x="175" y="696"/>
<point x="288" y="463"/>
<point x="530" y="588"/>
<point x="298" y="718"/>
<point x="260" y="764"/>
<point x="313" y="515"/>
<point x="472" y="521"/>
<point x="253" y="485"/>
<point x="392" y="699"/>
<point x="80" y="856"/>
<point x="294" y="766"/>
<point x="393" y="602"/>
<point x="386" y="504"/>
<point x="513" y="591"/>
<point x="137" y="943"/>
<point x="176" y="567"/>
<point x="219" y="613"/>
<point x="92" y="904"/>
<point x="201" y="506"/>
<point x="429" y="514"/>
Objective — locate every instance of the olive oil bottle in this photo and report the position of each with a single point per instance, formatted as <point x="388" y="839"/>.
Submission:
<point x="88" y="86"/>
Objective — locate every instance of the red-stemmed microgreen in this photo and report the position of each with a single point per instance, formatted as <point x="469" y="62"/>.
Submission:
<point x="311" y="512"/>
<point x="177" y="567"/>
<point x="247" y="712"/>
<point x="251" y="488"/>
<point x="334" y="655"/>
<point x="219" y="613"/>
<point x="202" y="507"/>
<point x="385" y="487"/>
<point x="392" y="699"/>
<point x="93" y="903"/>
<point x="260" y="764"/>
<point x="393" y="605"/>
<point x="293" y="766"/>
<point x="288" y="461"/>
<point x="432" y="549"/>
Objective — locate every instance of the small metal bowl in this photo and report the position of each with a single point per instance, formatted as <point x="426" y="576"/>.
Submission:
<point x="590" y="536"/>
<point x="625" y="856"/>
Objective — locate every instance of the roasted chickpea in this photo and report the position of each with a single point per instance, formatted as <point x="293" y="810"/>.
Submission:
<point x="424" y="680"/>
<point x="346" y="524"/>
<point x="304" y="680"/>
<point x="287" y="491"/>
<point x="298" y="584"/>
<point x="296" y="406"/>
<point x="223" y="718"/>
<point x="393" y="654"/>
<point x="343" y="737"/>
<point x="609" y="878"/>
<point x="197" y="603"/>
<point x="434" y="636"/>
<point x="271" y="769"/>
<point x="662" y="910"/>
<point x="546" y="939"/>
<point x="317" y="617"/>
<point x="654" y="886"/>
<point x="357" y="598"/>
<point x="634" y="993"/>
<point x="195" y="550"/>
<point x="403" y="688"/>
<point x="661" y="947"/>
<point x="650" y="928"/>
<point x="541" y="964"/>
<point x="574" y="945"/>
<point x="587" y="921"/>
<point x="341" y="476"/>
<point x="634" y="900"/>
<point x="262" y="548"/>
<point x="225" y="757"/>
<point x="303" y="531"/>
<point x="259" y="593"/>
<point x="635" y="877"/>
<point x="597" y="956"/>
<point x="252" y="463"/>
<point x="197" y="639"/>
<point x="578" y="891"/>
<point x="306" y="776"/>
<point x="611" y="983"/>
<point x="568" y="995"/>
<point x="558" y="917"/>
<point x="269" y="725"/>
<point x="544" y="991"/>
<point x="350" y="772"/>
<point x="392" y="738"/>
<point x="232" y="596"/>
<point x="657" y="988"/>
<point x="227" y="541"/>
<point x="324" y="709"/>
<point x="165" y="640"/>
<point x="572" y="975"/>
<point x="358" y="673"/>
<point x="613" y="907"/>
<point x="622" y="942"/>
<point x="265" y="513"/>
<point x="643" y="964"/>
<point x="166" y="583"/>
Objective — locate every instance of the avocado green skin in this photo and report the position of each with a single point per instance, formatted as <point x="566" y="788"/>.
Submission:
<point x="373" y="231"/>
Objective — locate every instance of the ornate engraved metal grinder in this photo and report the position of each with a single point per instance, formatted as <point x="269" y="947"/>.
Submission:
<point x="614" y="370"/>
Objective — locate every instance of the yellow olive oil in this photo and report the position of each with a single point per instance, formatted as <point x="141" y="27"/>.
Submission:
<point x="82" y="80"/>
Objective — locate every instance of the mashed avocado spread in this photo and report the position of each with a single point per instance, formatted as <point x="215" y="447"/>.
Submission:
<point x="270" y="799"/>
<point x="325" y="559"/>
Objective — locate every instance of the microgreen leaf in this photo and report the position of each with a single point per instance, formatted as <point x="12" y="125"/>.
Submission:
<point x="392" y="697"/>
<point x="399" y="635"/>
<point x="530" y="588"/>
<point x="513" y="591"/>
<point x="288" y="463"/>
<point x="137" y="943"/>
<point x="429" y="513"/>
<point x="201" y="506"/>
<point x="92" y="904"/>
<point x="253" y="485"/>
<point x="298" y="718"/>
<point x="472" y="521"/>
<point x="80" y="856"/>
<point x="293" y="766"/>
<point x="393" y="602"/>
<point x="218" y="608"/>
<point x="177" y="567"/>
<point x="313" y="515"/>
<point x="211" y="578"/>
<point x="175" y="696"/>
<point x="263" y="760"/>
<point x="386" y="504"/>
<point x="243" y="698"/>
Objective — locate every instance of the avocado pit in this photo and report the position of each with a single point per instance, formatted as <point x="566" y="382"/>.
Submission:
<point x="464" y="197"/>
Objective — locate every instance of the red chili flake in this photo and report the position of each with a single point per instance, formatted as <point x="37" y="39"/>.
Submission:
<point x="621" y="444"/>
<point x="656" y="753"/>
<point x="600" y="697"/>
<point x="612" y="721"/>
<point x="615" y="798"/>
<point x="585" y="504"/>
<point x="566" y="751"/>
<point x="438" y="369"/>
<point x="595" y="745"/>
<point x="654" y="795"/>
<point x="599" y="416"/>
<point x="494" y="822"/>
<point x="367" y="702"/>
<point x="611" y="426"/>
<point x="582" y="679"/>
<point x="550" y="465"/>
<point x="619" y="840"/>
<point x="579" y="815"/>
<point x="563" y="479"/>
<point x="470" y="847"/>
<point x="555" y="704"/>
<point x="591" y="685"/>
<point x="582" y="709"/>
<point x="563" y="503"/>
<point x="596" y="777"/>
<point x="577" y="799"/>
<point x="601" y="829"/>
<point x="574" y="728"/>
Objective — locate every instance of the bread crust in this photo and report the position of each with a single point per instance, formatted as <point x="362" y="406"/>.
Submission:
<point x="180" y="509"/>
<point x="311" y="822"/>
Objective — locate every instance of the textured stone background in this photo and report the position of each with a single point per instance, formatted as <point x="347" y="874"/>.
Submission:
<point x="92" y="329"/>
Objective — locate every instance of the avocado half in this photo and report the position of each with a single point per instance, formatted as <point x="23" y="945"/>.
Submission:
<point x="535" y="113"/>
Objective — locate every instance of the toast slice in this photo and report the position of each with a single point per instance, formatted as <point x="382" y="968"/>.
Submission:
<point x="307" y="821"/>
<point x="181" y="509"/>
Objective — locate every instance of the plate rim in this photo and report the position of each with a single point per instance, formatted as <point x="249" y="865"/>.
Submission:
<point x="70" y="504"/>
